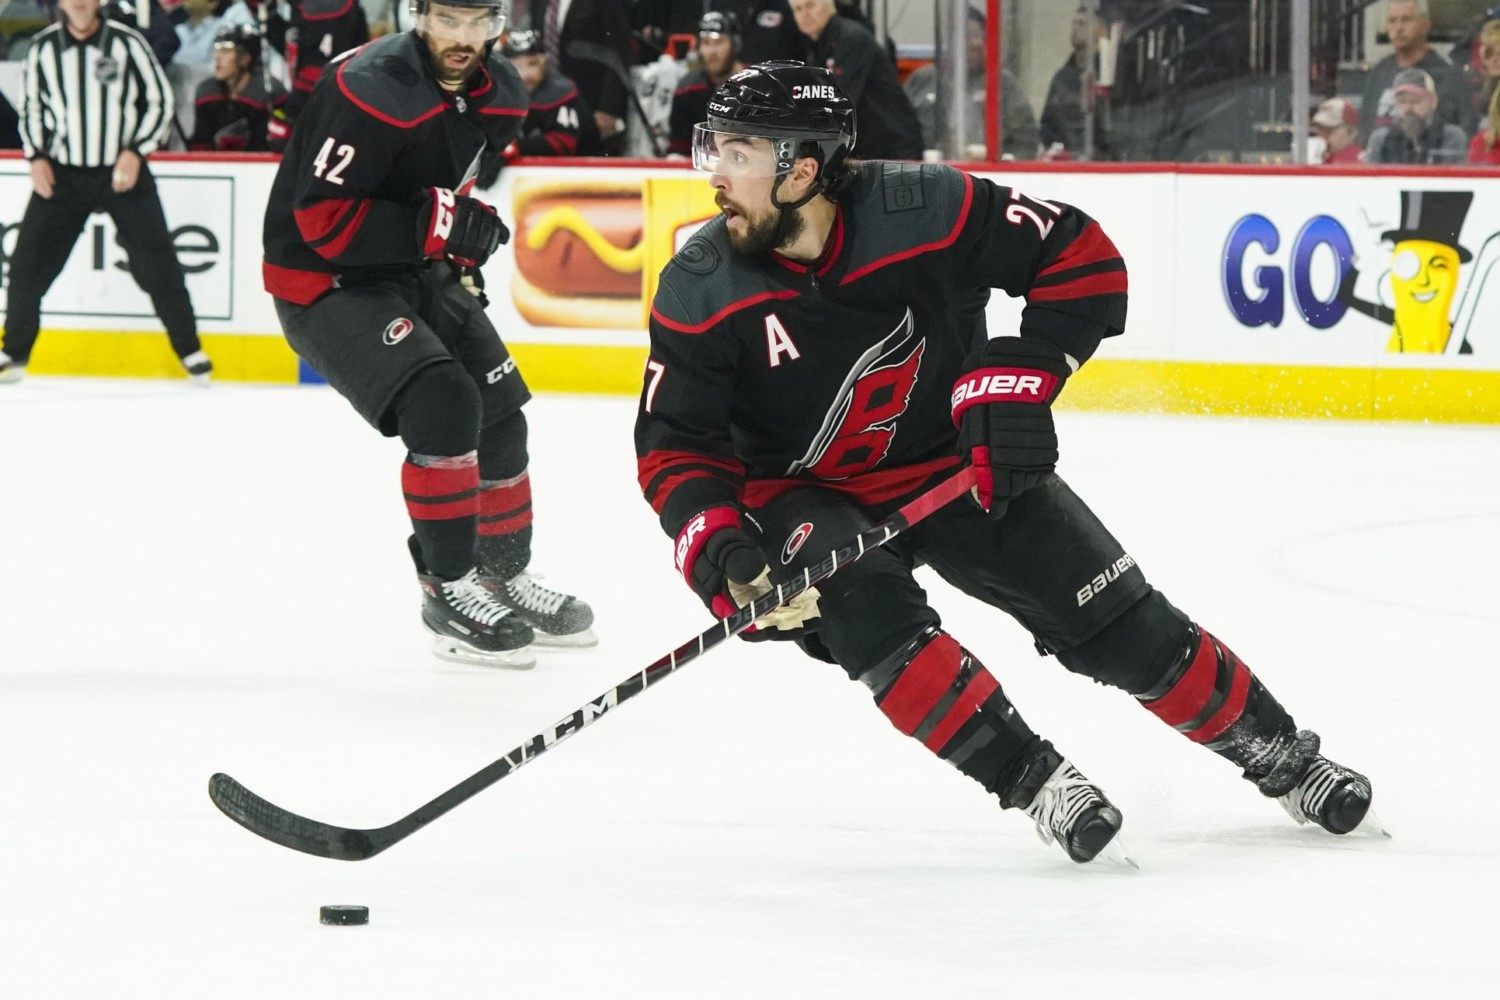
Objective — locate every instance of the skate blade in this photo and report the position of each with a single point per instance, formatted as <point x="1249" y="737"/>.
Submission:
<point x="1371" y="826"/>
<point x="1115" y="852"/>
<point x="454" y="651"/>
<point x="573" y="640"/>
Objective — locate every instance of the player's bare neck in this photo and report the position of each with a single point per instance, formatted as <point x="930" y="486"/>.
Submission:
<point x="817" y="225"/>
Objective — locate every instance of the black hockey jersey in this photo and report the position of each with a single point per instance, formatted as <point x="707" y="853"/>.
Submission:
<point x="689" y="108"/>
<point x="377" y="132"/>
<point x="555" y="120"/>
<point x="765" y="373"/>
<point x="243" y="122"/>
<point x="321" y="31"/>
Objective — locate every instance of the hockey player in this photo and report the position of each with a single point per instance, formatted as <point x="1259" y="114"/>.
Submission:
<point x="557" y="114"/>
<point x="819" y="355"/>
<point x="233" y="111"/>
<point x="718" y="58"/>
<point x="372" y="251"/>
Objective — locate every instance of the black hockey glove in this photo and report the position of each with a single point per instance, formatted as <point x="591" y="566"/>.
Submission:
<point x="1003" y="410"/>
<point x="727" y="570"/>
<point x="464" y="230"/>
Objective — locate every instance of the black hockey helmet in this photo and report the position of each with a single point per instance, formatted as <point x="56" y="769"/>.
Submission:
<point x="721" y="22"/>
<point x="523" y="43"/>
<point x="499" y="13"/>
<point x="244" y="37"/>
<point x="800" y="108"/>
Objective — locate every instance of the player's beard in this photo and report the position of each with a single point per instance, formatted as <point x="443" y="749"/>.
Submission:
<point x="454" y="76"/>
<point x="770" y="230"/>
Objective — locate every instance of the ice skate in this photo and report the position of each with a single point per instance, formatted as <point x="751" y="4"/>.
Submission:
<point x="558" y="619"/>
<point x="199" y="369"/>
<point x="1333" y="797"/>
<point x="10" y="371"/>
<point x="1067" y="808"/>
<point x="469" y="626"/>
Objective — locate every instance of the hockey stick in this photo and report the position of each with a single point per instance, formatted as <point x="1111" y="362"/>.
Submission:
<point x="279" y="826"/>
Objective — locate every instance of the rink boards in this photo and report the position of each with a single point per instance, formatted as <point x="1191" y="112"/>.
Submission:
<point x="1235" y="274"/>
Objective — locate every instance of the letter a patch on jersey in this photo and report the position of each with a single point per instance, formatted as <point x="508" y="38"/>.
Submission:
<point x="779" y="342"/>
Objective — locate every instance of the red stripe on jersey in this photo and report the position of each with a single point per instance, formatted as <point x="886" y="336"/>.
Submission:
<point x="381" y="115"/>
<point x="209" y="99"/>
<point x="868" y="488"/>
<point x="717" y="317"/>
<point x="564" y="99"/>
<point x="981" y="686"/>
<point x="922" y="684"/>
<point x="958" y="225"/>
<point x="654" y="463"/>
<point x="333" y="248"/>
<point x="327" y="17"/>
<point x="318" y="220"/>
<point x="1088" y="247"/>
<point x="689" y="89"/>
<point x="512" y="112"/>
<point x="561" y="142"/>
<point x="292" y="285"/>
<point x="1110" y="282"/>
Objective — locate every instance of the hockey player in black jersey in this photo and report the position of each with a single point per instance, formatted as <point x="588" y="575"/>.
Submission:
<point x="372" y="251"/>
<point x="557" y="115"/>
<point x="819" y="355"/>
<point x="718" y="58"/>
<point x="233" y="111"/>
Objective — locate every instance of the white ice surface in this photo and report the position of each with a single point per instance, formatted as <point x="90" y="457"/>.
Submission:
<point x="201" y="581"/>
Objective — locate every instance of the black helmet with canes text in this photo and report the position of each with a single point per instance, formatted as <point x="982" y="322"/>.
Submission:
<point x="800" y="109"/>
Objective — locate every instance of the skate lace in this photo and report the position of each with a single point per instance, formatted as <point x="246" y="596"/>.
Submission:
<point x="1059" y="802"/>
<point x="532" y="596"/>
<point x="468" y="598"/>
<point x="1305" y="802"/>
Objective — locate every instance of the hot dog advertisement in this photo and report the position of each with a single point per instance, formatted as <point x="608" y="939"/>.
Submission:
<point x="588" y="251"/>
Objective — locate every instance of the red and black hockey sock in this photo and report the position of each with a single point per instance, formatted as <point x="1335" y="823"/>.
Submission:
<point x="1212" y="698"/>
<point x="934" y="691"/>
<point x="505" y="526"/>
<point x="442" y="498"/>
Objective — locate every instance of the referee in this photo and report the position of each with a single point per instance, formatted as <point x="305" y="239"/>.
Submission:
<point x="94" y="105"/>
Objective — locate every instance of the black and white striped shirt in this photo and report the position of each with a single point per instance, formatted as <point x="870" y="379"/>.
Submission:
<point x="82" y="103"/>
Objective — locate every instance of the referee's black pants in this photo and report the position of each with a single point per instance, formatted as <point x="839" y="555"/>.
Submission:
<point x="51" y="226"/>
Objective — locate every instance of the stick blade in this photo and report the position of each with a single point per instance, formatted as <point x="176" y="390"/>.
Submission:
<point x="271" y="822"/>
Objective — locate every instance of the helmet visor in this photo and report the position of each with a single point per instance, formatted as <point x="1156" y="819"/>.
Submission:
<point x="460" y="24"/>
<point x="731" y="154"/>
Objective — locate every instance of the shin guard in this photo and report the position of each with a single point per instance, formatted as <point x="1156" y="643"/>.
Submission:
<point x="1212" y="698"/>
<point x="442" y="498"/>
<point x="934" y="691"/>
<point x="505" y="526"/>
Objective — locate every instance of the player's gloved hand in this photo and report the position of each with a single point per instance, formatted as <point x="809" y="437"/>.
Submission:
<point x="464" y="230"/>
<point x="1002" y="407"/>
<point x="727" y="570"/>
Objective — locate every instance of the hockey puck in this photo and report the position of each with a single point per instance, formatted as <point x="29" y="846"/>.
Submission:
<point x="344" y="915"/>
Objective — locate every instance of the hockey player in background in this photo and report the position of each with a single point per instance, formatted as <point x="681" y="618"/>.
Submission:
<point x="819" y="356"/>
<point x="372" y="251"/>
<point x="718" y="58"/>
<point x="557" y="115"/>
<point x="233" y="111"/>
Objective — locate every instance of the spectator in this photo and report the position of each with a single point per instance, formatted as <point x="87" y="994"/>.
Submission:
<point x="1337" y="123"/>
<point x="196" y="34"/>
<point x="235" y="111"/>
<point x="1488" y="79"/>
<point x="160" y="33"/>
<point x="87" y="139"/>
<point x="1407" y="25"/>
<point x="889" y="129"/>
<point x="598" y="66"/>
<point x="1062" y="115"/>
<point x="770" y="33"/>
<point x="557" y="115"/>
<point x="1485" y="149"/>
<point x="1417" y="136"/>
<point x="927" y="89"/>
<point x="718" y="57"/>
